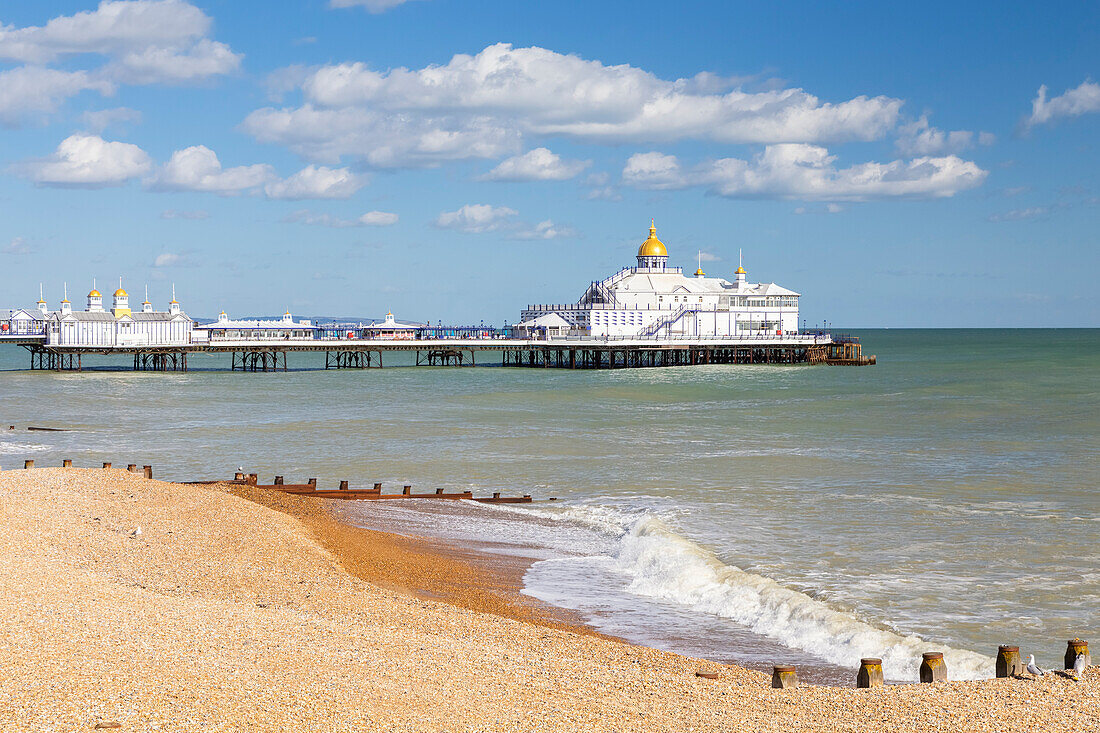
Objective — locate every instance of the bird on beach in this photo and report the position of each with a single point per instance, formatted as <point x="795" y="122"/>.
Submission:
<point x="1034" y="668"/>
<point x="1079" y="666"/>
<point x="136" y="532"/>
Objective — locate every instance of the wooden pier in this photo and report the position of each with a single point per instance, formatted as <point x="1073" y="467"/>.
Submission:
<point x="568" y="352"/>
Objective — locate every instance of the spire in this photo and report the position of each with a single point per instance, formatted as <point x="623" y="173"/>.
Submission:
<point x="66" y="294"/>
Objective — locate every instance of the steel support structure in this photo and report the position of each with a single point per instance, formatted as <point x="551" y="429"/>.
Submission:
<point x="348" y="360"/>
<point x="160" y="361"/>
<point x="267" y="360"/>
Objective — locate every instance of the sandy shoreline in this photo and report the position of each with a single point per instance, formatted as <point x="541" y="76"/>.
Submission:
<point x="224" y="614"/>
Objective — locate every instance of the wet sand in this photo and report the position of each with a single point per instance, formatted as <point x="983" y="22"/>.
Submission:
<point x="224" y="614"/>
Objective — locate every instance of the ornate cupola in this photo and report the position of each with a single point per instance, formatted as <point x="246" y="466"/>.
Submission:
<point x="66" y="306"/>
<point x="146" y="306"/>
<point x="652" y="255"/>
<point x="42" y="307"/>
<point x="121" y="306"/>
<point x="95" y="300"/>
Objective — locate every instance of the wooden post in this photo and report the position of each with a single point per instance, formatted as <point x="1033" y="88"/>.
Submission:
<point x="439" y="491"/>
<point x="377" y="488"/>
<point x="496" y="494"/>
<point x="253" y="479"/>
<point x="29" y="463"/>
<point x="67" y="463"/>
<point x="870" y="673"/>
<point x="406" y="490"/>
<point x="932" y="668"/>
<point x="784" y="677"/>
<point x="343" y="486"/>
<point x="106" y="464"/>
<point x="132" y="468"/>
<point x="148" y="471"/>
<point x="278" y="480"/>
<point x="312" y="483"/>
<point x="1008" y="661"/>
<point x="1075" y="647"/>
<point x="238" y="476"/>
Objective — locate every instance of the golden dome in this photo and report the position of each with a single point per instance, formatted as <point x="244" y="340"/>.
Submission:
<point x="700" y="273"/>
<point x="120" y="293"/>
<point x="95" y="294"/>
<point x="652" y="247"/>
<point x="740" y="271"/>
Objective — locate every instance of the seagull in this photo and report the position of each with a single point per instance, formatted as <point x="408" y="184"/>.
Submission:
<point x="1034" y="668"/>
<point x="136" y="532"/>
<point x="1079" y="666"/>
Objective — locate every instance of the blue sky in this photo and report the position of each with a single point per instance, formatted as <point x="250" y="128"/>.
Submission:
<point x="450" y="160"/>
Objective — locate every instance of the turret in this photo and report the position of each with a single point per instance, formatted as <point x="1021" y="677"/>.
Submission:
<point x="146" y="306"/>
<point x="95" y="300"/>
<point x="66" y="306"/>
<point x="121" y="306"/>
<point x="174" y="306"/>
<point x="42" y="307"/>
<point x="739" y="276"/>
<point x="652" y="255"/>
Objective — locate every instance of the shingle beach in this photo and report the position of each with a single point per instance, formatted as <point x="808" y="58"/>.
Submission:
<point x="229" y="612"/>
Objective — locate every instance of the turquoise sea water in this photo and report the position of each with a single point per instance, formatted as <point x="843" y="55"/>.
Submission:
<point x="945" y="498"/>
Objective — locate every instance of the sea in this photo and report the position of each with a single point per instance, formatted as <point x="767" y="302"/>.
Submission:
<point x="945" y="499"/>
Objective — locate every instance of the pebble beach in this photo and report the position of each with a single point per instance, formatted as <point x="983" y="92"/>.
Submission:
<point x="138" y="604"/>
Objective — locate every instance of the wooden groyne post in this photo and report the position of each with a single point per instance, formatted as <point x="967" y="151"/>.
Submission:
<point x="106" y="464"/>
<point x="1075" y="647"/>
<point x="1008" y="661"/>
<point x="870" y="673"/>
<point x="67" y="463"/>
<point x="932" y="668"/>
<point x="29" y="463"/>
<point x="148" y="471"/>
<point x="784" y="676"/>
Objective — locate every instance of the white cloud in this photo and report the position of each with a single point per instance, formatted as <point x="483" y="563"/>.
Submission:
<point x="476" y="218"/>
<point x="87" y="161"/>
<point x="144" y="42"/>
<point x="167" y="259"/>
<point x="154" y="65"/>
<point x="28" y="91"/>
<point x="918" y="138"/>
<point x="538" y="164"/>
<point x="543" y="230"/>
<point x="193" y="215"/>
<point x="378" y="219"/>
<point x="483" y="106"/>
<point x="481" y="218"/>
<point x="316" y="182"/>
<point x="807" y="172"/>
<point x="197" y="168"/>
<point x="369" y="219"/>
<point x="1074" y="102"/>
<point x="372" y="6"/>
<point x="112" y="28"/>
<point x="604" y="193"/>
<point x="99" y="120"/>
<point x="708" y="257"/>
<point x="1033" y="212"/>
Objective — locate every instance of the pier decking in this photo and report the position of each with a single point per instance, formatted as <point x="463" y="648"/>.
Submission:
<point x="266" y="355"/>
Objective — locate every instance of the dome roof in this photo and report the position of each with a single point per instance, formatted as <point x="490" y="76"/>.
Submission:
<point x="95" y="294"/>
<point x="740" y="271"/>
<point x="652" y="247"/>
<point x="120" y="293"/>
<point x="700" y="273"/>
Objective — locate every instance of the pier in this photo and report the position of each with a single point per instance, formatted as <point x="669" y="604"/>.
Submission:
<point x="564" y="352"/>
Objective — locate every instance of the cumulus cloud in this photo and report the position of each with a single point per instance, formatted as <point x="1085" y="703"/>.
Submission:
<point x="372" y="6"/>
<point x="1080" y="100"/>
<point x="30" y="91"/>
<point x="197" y="168"/>
<point x="316" y="182"/>
<point x="83" y="160"/>
<point x="369" y="219"/>
<point x="143" y="42"/>
<point x="919" y="138"/>
<point x="807" y="172"/>
<point x="483" y="106"/>
<point x="99" y="120"/>
<point x="482" y="218"/>
<point x="536" y="165"/>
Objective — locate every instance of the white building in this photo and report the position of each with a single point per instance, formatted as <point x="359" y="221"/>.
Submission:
<point x="227" y="329"/>
<point x="391" y="329"/>
<point x="653" y="299"/>
<point x="95" y="326"/>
